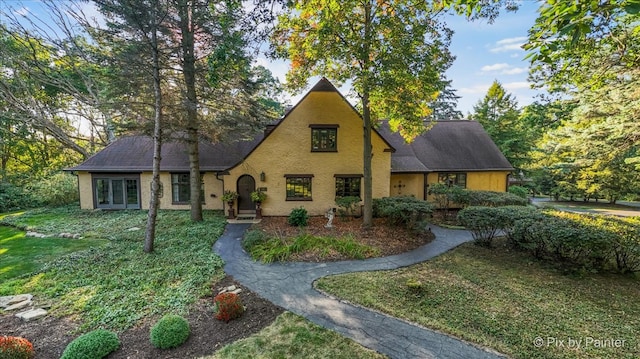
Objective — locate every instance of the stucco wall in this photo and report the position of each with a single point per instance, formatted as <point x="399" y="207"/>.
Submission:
<point x="211" y="186"/>
<point x="487" y="181"/>
<point x="287" y="150"/>
<point x="410" y="184"/>
<point x="85" y="190"/>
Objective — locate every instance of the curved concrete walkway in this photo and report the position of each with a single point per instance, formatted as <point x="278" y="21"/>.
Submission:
<point x="290" y="285"/>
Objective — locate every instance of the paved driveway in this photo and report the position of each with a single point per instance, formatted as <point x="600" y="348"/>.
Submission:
<point x="290" y="285"/>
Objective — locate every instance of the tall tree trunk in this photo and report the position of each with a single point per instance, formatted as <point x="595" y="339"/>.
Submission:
<point x="367" y="215"/>
<point x="186" y="9"/>
<point x="365" y="58"/>
<point x="150" y="232"/>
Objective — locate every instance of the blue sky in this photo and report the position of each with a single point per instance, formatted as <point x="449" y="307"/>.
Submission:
<point x="484" y="53"/>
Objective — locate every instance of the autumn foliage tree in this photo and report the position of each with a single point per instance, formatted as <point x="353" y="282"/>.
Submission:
<point x="393" y="52"/>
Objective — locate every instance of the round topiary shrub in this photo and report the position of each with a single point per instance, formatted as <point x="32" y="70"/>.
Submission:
<point x="15" y="348"/>
<point x="228" y="306"/>
<point x="171" y="331"/>
<point x="96" y="344"/>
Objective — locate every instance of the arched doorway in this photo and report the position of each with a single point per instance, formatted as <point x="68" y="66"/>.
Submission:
<point x="246" y="184"/>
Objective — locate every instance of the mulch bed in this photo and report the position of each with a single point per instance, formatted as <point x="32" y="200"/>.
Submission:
<point x="387" y="239"/>
<point x="50" y="335"/>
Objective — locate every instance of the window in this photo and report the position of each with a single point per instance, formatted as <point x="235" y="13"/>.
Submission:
<point x="181" y="188"/>
<point x="299" y="187"/>
<point x="324" y="138"/>
<point x="348" y="185"/>
<point x="453" y="179"/>
<point x="180" y="191"/>
<point x="115" y="192"/>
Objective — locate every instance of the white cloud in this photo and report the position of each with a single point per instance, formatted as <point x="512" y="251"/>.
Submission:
<point x="495" y="67"/>
<point x="509" y="44"/>
<point x="23" y="11"/>
<point x="514" y="71"/>
<point x="502" y="69"/>
<point x="518" y="85"/>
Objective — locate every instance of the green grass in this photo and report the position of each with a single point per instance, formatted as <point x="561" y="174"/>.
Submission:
<point x="116" y="285"/>
<point x="20" y="255"/>
<point x="504" y="300"/>
<point x="275" y="249"/>
<point x="591" y="207"/>
<point x="291" y="336"/>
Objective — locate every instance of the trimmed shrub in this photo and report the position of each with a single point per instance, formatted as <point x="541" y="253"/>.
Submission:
<point x="347" y="205"/>
<point x="96" y="344"/>
<point x="519" y="191"/>
<point x="170" y="331"/>
<point x="228" y="306"/>
<point x="298" y="217"/>
<point x="483" y="222"/>
<point x="16" y="348"/>
<point x="447" y="196"/>
<point x="405" y="211"/>
<point x="494" y="199"/>
<point x="512" y="214"/>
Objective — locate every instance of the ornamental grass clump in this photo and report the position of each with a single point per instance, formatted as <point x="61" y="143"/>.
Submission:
<point x="15" y="348"/>
<point x="228" y="306"/>
<point x="96" y="344"/>
<point x="171" y="331"/>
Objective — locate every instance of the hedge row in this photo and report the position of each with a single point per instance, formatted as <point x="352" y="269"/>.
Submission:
<point x="453" y="196"/>
<point x="591" y="241"/>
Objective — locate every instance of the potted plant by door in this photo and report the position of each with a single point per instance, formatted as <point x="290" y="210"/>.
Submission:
<point x="258" y="197"/>
<point x="230" y="197"/>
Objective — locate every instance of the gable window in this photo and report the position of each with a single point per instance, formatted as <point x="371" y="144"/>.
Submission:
<point x="181" y="188"/>
<point x="299" y="187"/>
<point x="348" y="185"/>
<point x="324" y="138"/>
<point x="453" y="179"/>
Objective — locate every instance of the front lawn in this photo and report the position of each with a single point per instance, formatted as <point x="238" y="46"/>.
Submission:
<point x="507" y="301"/>
<point x="22" y="255"/>
<point x="114" y="286"/>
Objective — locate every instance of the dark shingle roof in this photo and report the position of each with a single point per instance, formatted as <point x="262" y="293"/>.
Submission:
<point x="447" y="146"/>
<point x="135" y="154"/>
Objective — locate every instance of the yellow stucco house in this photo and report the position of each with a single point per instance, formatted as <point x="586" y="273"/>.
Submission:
<point x="310" y="156"/>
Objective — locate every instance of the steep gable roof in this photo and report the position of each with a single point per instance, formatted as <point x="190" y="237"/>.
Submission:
<point x="447" y="146"/>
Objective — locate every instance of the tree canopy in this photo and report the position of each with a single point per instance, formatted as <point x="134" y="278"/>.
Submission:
<point x="394" y="53"/>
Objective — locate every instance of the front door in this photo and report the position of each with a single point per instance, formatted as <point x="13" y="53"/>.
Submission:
<point x="246" y="185"/>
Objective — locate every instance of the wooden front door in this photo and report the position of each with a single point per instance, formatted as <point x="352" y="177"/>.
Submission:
<point x="246" y="185"/>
